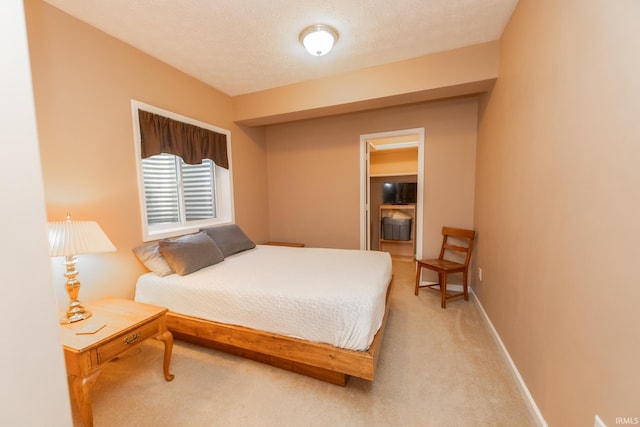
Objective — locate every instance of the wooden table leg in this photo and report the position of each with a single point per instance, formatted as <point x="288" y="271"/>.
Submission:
<point x="167" y="338"/>
<point x="82" y="393"/>
<point x="418" y="276"/>
<point x="443" y="290"/>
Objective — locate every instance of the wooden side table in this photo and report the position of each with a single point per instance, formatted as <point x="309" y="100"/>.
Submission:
<point x="126" y="324"/>
<point x="291" y="244"/>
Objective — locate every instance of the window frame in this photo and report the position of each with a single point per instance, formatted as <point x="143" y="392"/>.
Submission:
<point x="223" y="181"/>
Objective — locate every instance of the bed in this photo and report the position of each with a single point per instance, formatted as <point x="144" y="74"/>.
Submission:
<point x="317" y="312"/>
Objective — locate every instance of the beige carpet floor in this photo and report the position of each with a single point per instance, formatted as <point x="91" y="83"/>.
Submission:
<point x="437" y="368"/>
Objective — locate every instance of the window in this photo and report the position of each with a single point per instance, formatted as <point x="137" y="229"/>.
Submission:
<point x="176" y="197"/>
<point x="176" y="192"/>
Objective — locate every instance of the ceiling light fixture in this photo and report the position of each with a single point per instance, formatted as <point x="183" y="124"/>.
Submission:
<point x="318" y="39"/>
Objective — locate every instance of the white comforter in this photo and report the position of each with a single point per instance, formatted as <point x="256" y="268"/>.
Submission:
<point x="333" y="296"/>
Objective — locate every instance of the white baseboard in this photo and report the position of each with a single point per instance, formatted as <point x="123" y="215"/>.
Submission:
<point x="521" y="382"/>
<point x="598" y="422"/>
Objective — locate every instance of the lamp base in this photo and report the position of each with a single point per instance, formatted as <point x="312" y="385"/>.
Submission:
<point x="75" y="313"/>
<point x="71" y="318"/>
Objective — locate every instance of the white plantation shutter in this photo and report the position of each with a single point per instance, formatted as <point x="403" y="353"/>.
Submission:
<point x="199" y="194"/>
<point x="176" y="192"/>
<point x="161" y="189"/>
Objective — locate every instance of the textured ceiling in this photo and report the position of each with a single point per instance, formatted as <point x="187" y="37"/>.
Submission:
<point x="244" y="46"/>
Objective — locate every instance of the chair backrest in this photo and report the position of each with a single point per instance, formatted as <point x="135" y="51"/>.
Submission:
<point x="457" y="234"/>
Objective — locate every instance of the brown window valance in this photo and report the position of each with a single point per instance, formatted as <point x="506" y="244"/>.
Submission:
<point x="159" y="134"/>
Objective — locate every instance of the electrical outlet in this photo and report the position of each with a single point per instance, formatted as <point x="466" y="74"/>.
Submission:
<point x="598" y="422"/>
<point x="480" y="274"/>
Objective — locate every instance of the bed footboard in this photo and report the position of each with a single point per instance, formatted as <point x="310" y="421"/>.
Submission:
<point x="321" y="361"/>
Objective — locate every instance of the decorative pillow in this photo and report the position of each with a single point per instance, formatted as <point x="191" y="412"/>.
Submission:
<point x="230" y="239"/>
<point x="151" y="257"/>
<point x="190" y="253"/>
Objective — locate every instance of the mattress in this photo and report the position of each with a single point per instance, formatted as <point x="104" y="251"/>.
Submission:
<point x="333" y="296"/>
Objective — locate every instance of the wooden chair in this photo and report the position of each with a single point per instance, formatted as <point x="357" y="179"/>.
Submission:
<point x="444" y="267"/>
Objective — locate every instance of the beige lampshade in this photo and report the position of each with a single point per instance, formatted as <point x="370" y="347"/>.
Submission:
<point x="68" y="238"/>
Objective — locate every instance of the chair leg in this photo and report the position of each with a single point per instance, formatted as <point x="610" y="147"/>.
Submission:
<point x="443" y="290"/>
<point x="418" y="273"/>
<point x="464" y="285"/>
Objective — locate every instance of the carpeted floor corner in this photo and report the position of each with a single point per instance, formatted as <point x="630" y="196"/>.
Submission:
<point x="437" y="368"/>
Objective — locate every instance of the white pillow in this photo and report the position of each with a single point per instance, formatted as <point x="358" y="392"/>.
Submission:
<point x="151" y="257"/>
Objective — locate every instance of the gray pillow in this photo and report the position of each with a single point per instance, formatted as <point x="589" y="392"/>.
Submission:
<point x="190" y="253"/>
<point x="151" y="257"/>
<point x="230" y="239"/>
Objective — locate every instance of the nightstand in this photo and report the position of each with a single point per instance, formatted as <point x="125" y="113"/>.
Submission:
<point x="291" y="244"/>
<point x="126" y="324"/>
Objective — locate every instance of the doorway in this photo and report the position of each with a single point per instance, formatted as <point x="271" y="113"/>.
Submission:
<point x="391" y="157"/>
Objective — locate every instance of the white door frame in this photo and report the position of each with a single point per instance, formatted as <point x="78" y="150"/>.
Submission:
<point x="365" y="208"/>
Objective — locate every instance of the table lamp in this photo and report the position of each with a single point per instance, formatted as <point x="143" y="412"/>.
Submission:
<point x="70" y="238"/>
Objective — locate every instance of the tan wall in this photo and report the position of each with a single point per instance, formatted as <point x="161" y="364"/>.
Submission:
<point x="394" y="162"/>
<point x="557" y="206"/>
<point x="314" y="171"/>
<point x="459" y="72"/>
<point x="83" y="82"/>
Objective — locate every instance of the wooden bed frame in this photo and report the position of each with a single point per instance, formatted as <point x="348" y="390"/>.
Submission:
<point x="321" y="361"/>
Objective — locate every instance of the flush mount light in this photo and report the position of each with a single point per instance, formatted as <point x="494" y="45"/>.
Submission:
<point x="318" y="39"/>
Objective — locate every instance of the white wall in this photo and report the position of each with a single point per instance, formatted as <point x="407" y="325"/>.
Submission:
<point x="33" y="387"/>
